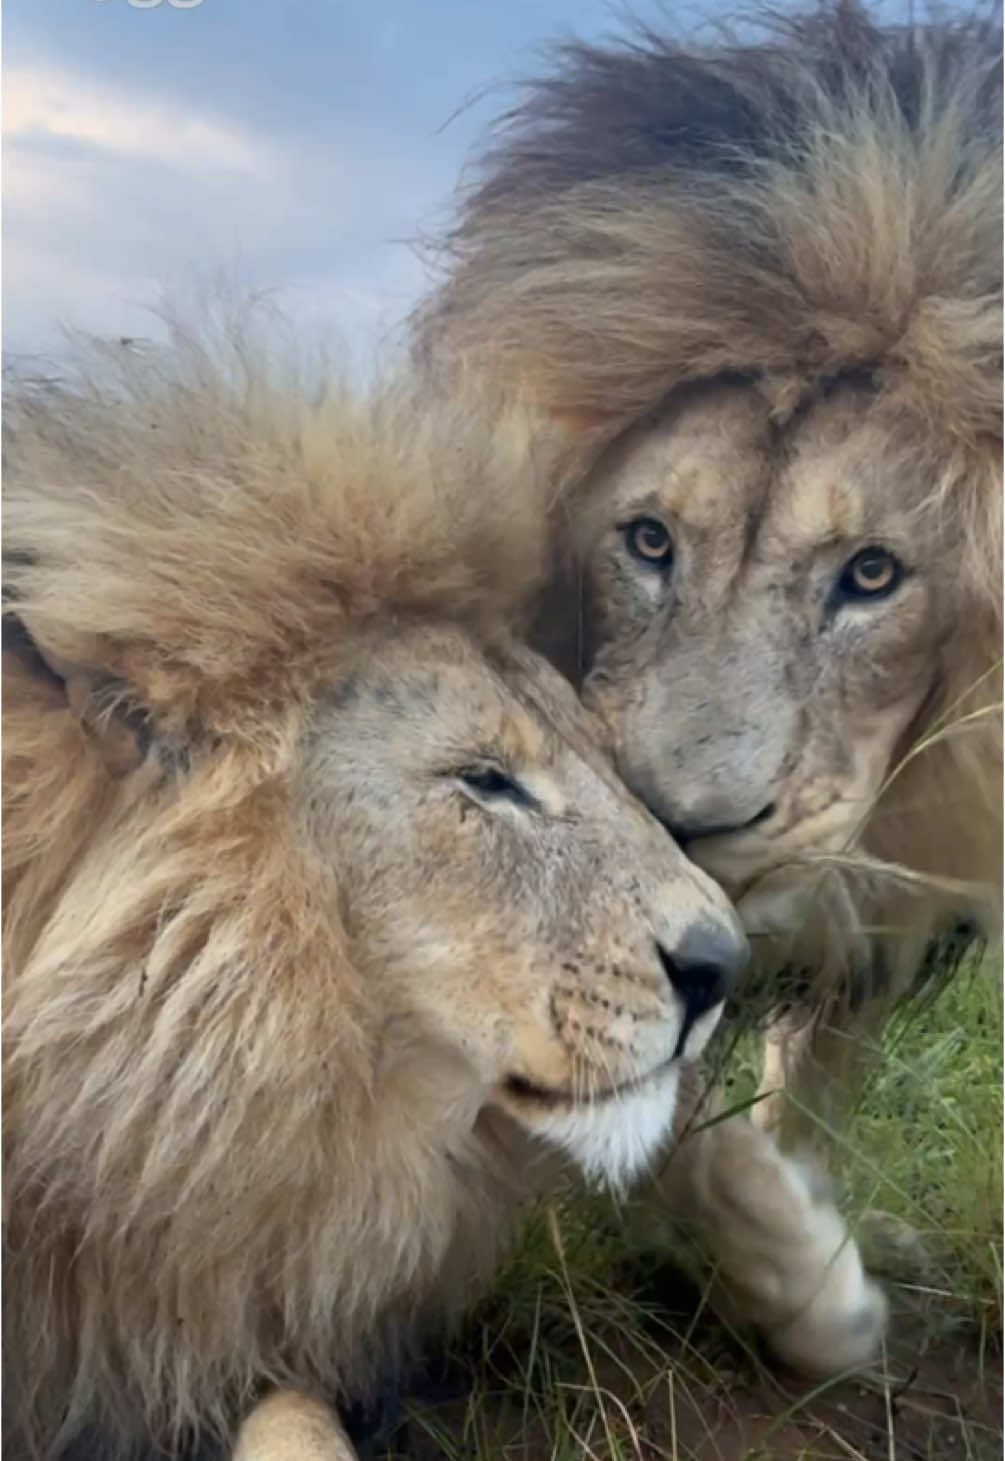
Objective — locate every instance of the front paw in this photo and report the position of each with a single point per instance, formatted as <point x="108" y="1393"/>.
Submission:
<point x="289" y="1426"/>
<point x="785" y="1260"/>
<point x="841" y="1328"/>
<point x="838" y="1315"/>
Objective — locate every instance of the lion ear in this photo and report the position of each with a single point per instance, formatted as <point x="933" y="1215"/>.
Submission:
<point x="104" y="707"/>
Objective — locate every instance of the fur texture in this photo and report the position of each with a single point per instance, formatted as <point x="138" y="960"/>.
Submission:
<point x="320" y="909"/>
<point x="825" y="201"/>
<point x="153" y="529"/>
<point x="811" y="216"/>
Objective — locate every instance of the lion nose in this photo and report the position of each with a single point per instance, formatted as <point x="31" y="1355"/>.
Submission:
<point x="704" y="967"/>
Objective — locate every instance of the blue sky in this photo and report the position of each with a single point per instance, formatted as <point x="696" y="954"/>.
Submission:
<point x="294" y="144"/>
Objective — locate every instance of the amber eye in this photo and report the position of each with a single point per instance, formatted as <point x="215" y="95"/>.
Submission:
<point x="871" y="574"/>
<point x="649" y="542"/>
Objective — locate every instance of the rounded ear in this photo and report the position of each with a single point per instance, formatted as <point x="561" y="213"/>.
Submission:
<point x="104" y="707"/>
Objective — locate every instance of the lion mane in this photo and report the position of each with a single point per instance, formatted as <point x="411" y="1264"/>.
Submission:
<point x="204" y="534"/>
<point x="817" y="200"/>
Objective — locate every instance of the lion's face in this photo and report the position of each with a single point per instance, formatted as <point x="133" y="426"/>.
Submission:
<point x="519" y="913"/>
<point x="764" y="610"/>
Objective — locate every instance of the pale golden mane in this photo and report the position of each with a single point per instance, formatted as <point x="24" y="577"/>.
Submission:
<point x="284" y="512"/>
<point x="204" y="537"/>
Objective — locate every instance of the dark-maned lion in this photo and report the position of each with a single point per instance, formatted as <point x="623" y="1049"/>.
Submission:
<point x="753" y="291"/>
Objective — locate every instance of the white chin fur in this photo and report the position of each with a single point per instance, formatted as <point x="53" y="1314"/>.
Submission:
<point x="615" y="1139"/>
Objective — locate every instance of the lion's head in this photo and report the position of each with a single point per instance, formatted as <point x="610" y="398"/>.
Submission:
<point x="772" y="620"/>
<point x="317" y="893"/>
<point x="754" y="291"/>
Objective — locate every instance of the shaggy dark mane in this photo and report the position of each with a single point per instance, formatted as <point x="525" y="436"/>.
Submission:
<point x="821" y="198"/>
<point x="651" y="102"/>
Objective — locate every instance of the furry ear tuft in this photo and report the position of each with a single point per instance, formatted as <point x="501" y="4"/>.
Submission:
<point x="121" y="732"/>
<point x="103" y="707"/>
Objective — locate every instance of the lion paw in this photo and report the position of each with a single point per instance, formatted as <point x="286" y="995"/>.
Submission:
<point x="288" y="1426"/>
<point x="839" y="1315"/>
<point x="785" y="1259"/>
<point x="841" y="1328"/>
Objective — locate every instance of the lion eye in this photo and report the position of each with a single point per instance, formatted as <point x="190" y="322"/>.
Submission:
<point x="488" y="781"/>
<point x="649" y="542"/>
<point x="490" y="784"/>
<point x="871" y="574"/>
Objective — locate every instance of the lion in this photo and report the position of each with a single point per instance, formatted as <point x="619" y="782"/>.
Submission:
<point x="330" y="937"/>
<point x="753" y="291"/>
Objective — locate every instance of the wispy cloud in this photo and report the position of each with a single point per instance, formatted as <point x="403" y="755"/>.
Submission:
<point x="112" y="196"/>
<point x="44" y="104"/>
<point x="292" y="143"/>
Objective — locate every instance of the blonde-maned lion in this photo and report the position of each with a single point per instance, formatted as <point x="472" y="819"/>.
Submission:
<point x="328" y="934"/>
<point x="753" y="290"/>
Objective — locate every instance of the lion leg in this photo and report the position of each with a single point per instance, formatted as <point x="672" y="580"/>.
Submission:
<point x="816" y="1073"/>
<point x="784" y="1258"/>
<point x="814" y="1067"/>
<point x="288" y="1426"/>
<point x="782" y="1051"/>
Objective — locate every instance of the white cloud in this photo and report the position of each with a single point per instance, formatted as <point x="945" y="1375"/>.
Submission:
<point x="112" y="196"/>
<point x="46" y="103"/>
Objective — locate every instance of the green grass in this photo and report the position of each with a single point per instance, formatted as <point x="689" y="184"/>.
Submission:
<point x="596" y="1341"/>
<point x="926" y="1144"/>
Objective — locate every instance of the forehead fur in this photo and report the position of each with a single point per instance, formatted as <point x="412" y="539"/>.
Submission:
<point x="824" y="198"/>
<point x="211" y="531"/>
<point x="850" y="463"/>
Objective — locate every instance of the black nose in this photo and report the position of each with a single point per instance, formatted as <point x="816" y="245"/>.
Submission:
<point x="704" y="966"/>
